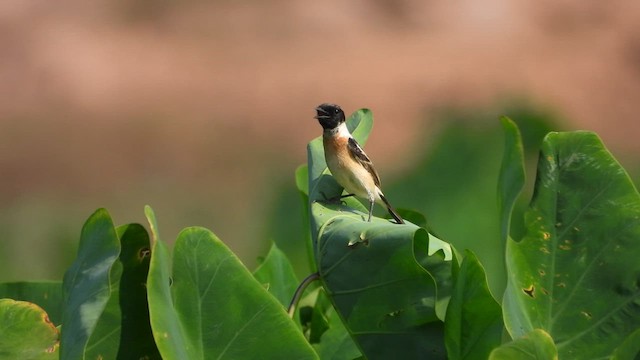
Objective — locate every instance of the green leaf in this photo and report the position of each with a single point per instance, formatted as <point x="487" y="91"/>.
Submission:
<point x="302" y="183"/>
<point x="536" y="345"/>
<point x="136" y="338"/>
<point x="575" y="272"/>
<point x="153" y="223"/>
<point x="87" y="285"/>
<point x="385" y="297"/>
<point x="630" y="348"/>
<point x="302" y="179"/>
<point x="473" y="325"/>
<point x="26" y="332"/>
<point x="104" y="340"/>
<point x="276" y="274"/>
<point x="512" y="174"/>
<point x="166" y="325"/>
<point x="315" y="321"/>
<point x="213" y="307"/>
<point x="46" y="294"/>
<point x="123" y="329"/>
<point x="334" y="342"/>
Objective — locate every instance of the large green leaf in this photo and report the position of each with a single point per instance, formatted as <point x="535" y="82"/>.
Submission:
<point x="46" y="294"/>
<point x="26" y="332"/>
<point x="123" y="330"/>
<point x="575" y="272"/>
<point x="104" y="340"/>
<point x="536" y="345"/>
<point x="473" y="325"/>
<point x="385" y="298"/>
<point x="88" y="284"/>
<point x="276" y="274"/>
<point x="166" y="325"/>
<point x="512" y="175"/>
<point x="212" y="307"/>
<point x="136" y="338"/>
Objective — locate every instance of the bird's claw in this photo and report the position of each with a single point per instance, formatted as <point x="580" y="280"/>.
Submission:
<point x="332" y="200"/>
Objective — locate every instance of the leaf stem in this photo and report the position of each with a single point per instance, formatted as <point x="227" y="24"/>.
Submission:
<point x="300" y="290"/>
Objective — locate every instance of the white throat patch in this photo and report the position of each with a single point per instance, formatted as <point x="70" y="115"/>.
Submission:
<point x="342" y="130"/>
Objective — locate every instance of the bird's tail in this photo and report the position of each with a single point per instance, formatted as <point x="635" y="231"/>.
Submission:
<point x="391" y="210"/>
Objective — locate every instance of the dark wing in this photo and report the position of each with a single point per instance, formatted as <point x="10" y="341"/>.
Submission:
<point x="358" y="155"/>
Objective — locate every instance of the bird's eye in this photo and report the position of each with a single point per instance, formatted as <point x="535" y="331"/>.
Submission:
<point x="337" y="111"/>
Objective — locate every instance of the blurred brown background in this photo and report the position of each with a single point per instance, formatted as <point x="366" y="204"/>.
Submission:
<point x="203" y="109"/>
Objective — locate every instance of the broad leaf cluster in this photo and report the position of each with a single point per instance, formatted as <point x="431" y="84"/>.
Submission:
<point x="385" y="291"/>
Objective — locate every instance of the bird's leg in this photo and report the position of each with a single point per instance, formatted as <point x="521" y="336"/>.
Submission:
<point x="371" y="202"/>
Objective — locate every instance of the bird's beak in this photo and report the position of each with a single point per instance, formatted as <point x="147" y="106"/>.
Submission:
<point x="322" y="113"/>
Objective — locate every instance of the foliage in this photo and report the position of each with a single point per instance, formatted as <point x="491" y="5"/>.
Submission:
<point x="386" y="290"/>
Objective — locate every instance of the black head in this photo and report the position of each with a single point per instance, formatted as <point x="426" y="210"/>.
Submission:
<point x="329" y="116"/>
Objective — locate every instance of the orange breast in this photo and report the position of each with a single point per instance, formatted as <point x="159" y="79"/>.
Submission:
<point x="346" y="171"/>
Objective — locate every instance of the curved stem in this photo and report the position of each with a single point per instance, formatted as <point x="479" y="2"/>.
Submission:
<point x="300" y="290"/>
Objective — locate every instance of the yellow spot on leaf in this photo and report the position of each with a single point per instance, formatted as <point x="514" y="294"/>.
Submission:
<point x="529" y="291"/>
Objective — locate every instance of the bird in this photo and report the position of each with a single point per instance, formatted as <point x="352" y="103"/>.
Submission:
<point x="347" y="161"/>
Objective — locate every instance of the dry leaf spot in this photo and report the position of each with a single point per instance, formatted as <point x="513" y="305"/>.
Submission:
<point x="541" y="272"/>
<point x="45" y="318"/>
<point x="544" y="291"/>
<point x="53" y="348"/>
<point x="530" y="291"/>
<point x="586" y="314"/>
<point x="144" y="253"/>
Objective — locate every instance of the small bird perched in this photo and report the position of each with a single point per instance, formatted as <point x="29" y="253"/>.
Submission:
<point x="346" y="160"/>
